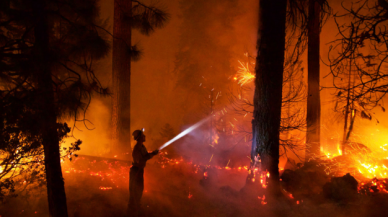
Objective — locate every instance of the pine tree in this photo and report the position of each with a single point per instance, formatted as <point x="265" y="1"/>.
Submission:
<point x="128" y="15"/>
<point x="46" y="51"/>
<point x="313" y="95"/>
<point x="268" y="86"/>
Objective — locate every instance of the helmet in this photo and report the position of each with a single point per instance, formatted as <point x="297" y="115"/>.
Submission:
<point x="136" y="134"/>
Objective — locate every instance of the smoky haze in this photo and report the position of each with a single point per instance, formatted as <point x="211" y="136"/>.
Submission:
<point x="192" y="57"/>
<point x="181" y="64"/>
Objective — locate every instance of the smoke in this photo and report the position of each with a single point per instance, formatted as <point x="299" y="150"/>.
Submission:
<point x="183" y="64"/>
<point x="211" y="34"/>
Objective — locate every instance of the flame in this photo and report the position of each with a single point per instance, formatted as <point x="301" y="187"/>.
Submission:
<point x="339" y="149"/>
<point x="360" y="162"/>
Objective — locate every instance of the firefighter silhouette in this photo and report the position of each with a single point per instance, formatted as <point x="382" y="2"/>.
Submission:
<point x="140" y="156"/>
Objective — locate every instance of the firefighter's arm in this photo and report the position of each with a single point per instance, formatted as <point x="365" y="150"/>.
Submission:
<point x="147" y="155"/>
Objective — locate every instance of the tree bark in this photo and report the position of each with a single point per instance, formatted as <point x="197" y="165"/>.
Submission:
<point x="48" y="114"/>
<point x="268" y="89"/>
<point x="313" y="99"/>
<point x="121" y="76"/>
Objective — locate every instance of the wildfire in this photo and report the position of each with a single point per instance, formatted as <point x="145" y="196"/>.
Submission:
<point x="367" y="165"/>
<point x="358" y="160"/>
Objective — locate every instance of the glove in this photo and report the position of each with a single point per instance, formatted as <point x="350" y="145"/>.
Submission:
<point x="155" y="152"/>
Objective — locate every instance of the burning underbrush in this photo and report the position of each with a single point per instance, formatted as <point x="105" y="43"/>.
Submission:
<point x="98" y="186"/>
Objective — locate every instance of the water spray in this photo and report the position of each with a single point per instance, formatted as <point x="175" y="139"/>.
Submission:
<point x="185" y="132"/>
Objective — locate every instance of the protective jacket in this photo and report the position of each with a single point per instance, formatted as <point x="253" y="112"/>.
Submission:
<point x="140" y="156"/>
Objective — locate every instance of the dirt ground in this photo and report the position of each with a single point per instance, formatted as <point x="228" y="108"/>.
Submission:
<point x="99" y="187"/>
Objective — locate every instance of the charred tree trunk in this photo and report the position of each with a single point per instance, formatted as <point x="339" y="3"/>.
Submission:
<point x="47" y="113"/>
<point x="346" y="134"/>
<point x="313" y="99"/>
<point x="121" y="76"/>
<point x="268" y="86"/>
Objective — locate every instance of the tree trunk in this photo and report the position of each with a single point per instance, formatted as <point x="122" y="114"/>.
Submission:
<point x="346" y="135"/>
<point x="268" y="86"/>
<point x="121" y="76"/>
<point x="313" y="99"/>
<point x="48" y="114"/>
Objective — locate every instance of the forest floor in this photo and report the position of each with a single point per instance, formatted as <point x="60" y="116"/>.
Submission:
<point x="99" y="187"/>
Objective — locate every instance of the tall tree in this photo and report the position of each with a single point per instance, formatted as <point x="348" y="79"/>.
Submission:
<point x="47" y="113"/>
<point x="128" y="15"/>
<point x="268" y="89"/>
<point x="121" y="73"/>
<point x="313" y="96"/>
<point x="46" y="51"/>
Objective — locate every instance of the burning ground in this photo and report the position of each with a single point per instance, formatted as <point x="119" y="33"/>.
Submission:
<point x="176" y="187"/>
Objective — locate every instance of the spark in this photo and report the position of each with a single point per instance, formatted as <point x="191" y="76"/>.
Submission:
<point x="244" y="75"/>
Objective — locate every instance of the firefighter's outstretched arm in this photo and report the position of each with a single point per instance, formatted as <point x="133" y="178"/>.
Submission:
<point x="147" y="155"/>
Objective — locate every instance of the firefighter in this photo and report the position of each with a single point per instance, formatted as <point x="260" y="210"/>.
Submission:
<point x="140" y="156"/>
